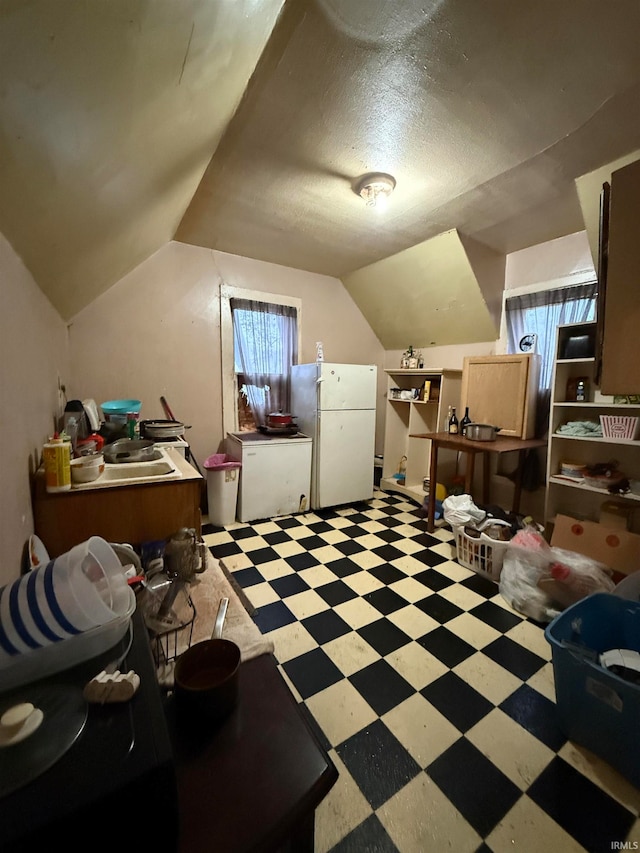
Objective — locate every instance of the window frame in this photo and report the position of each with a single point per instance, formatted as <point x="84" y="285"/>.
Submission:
<point x="229" y="378"/>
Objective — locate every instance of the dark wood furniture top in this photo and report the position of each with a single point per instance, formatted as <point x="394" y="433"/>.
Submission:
<point x="254" y="782"/>
<point x="502" y="444"/>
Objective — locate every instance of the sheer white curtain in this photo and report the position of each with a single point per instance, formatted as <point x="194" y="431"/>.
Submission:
<point x="541" y="313"/>
<point x="265" y="346"/>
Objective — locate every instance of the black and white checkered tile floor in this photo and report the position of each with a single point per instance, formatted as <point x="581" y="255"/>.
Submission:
<point x="434" y="699"/>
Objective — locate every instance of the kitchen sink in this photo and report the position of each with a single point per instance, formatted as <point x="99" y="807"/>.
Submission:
<point x="136" y="471"/>
<point x="131" y="473"/>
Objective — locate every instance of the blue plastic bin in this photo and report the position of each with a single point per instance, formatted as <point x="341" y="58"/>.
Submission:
<point x="596" y="708"/>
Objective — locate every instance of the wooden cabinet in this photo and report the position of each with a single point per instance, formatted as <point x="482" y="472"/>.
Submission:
<point x="570" y="496"/>
<point x="502" y="390"/>
<point x="414" y="415"/>
<point x="621" y="321"/>
<point x="138" y="513"/>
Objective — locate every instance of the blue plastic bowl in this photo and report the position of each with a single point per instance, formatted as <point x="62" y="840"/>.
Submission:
<point x="120" y="407"/>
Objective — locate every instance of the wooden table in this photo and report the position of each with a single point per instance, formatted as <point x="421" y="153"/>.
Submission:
<point x="254" y="783"/>
<point x="502" y="444"/>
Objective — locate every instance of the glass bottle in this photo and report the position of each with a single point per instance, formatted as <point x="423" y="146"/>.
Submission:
<point x="466" y="420"/>
<point x="453" y="422"/>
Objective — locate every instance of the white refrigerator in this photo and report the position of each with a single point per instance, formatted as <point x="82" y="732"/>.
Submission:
<point x="335" y="404"/>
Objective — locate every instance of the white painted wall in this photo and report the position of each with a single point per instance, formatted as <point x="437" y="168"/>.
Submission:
<point x="157" y="332"/>
<point x="33" y="353"/>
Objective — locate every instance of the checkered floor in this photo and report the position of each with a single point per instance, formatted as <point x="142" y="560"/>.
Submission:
<point x="434" y="699"/>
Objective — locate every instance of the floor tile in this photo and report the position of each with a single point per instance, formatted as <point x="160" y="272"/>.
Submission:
<point x="582" y="809"/>
<point x="476" y="787"/>
<point x="382" y="686"/>
<point x="456" y="701"/>
<point x="378" y="762"/>
<point x="433" y="696"/>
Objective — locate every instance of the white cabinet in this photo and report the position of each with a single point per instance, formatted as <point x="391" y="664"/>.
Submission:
<point x="564" y="495"/>
<point x="407" y="415"/>
<point x="275" y="477"/>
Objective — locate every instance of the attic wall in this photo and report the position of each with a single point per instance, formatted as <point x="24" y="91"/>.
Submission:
<point x="157" y="332"/>
<point x="33" y="353"/>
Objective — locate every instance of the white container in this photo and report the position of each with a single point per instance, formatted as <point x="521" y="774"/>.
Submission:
<point x="56" y="657"/>
<point x="223" y="474"/>
<point x="620" y="426"/>
<point x="86" y="469"/>
<point x="56" y="455"/>
<point x="78" y="591"/>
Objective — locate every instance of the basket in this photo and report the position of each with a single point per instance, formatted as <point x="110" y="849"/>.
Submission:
<point x="619" y="426"/>
<point x="482" y="554"/>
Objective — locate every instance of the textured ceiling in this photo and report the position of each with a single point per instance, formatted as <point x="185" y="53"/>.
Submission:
<point x="243" y="125"/>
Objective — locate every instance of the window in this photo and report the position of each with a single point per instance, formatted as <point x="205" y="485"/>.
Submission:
<point x="260" y="335"/>
<point x="533" y="318"/>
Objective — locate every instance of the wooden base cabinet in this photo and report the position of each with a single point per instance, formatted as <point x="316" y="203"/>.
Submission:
<point x="417" y="402"/>
<point x="145" y="512"/>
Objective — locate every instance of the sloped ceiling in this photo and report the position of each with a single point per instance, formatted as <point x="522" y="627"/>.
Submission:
<point x="243" y="126"/>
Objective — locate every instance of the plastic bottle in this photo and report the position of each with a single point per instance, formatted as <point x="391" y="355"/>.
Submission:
<point x="56" y="454"/>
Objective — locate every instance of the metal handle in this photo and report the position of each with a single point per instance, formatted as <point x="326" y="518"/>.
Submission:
<point x="222" y="612"/>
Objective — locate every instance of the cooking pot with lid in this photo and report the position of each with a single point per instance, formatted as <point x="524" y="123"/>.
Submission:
<point x="280" y="419"/>
<point x="481" y="432"/>
<point x="162" y="429"/>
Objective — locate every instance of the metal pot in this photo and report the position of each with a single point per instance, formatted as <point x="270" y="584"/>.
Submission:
<point x="481" y="432"/>
<point x="162" y="429"/>
<point x="279" y="419"/>
<point x="129" y="450"/>
<point x="206" y="678"/>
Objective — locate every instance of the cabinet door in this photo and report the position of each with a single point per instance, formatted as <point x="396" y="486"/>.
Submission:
<point x="501" y="390"/>
<point x="621" y="342"/>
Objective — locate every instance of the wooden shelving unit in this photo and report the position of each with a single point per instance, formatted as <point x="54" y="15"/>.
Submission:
<point x="564" y="495"/>
<point x="406" y="417"/>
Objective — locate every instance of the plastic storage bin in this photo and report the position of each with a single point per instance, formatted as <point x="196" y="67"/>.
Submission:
<point x="223" y="475"/>
<point x="480" y="554"/>
<point x="597" y="708"/>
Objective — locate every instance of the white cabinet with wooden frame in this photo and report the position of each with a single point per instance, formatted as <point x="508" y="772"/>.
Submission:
<point x="405" y="417"/>
<point x="501" y="390"/>
<point x="568" y="496"/>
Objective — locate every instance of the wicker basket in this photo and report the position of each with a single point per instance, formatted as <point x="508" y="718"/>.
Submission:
<point x="481" y="554"/>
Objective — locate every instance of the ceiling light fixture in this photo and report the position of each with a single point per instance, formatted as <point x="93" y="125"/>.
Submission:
<point x="374" y="187"/>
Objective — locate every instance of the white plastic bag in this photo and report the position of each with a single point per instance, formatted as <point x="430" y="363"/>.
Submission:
<point x="460" y="510"/>
<point x="540" y="581"/>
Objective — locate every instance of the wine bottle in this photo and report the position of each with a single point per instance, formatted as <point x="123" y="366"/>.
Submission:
<point x="453" y="422"/>
<point x="466" y="420"/>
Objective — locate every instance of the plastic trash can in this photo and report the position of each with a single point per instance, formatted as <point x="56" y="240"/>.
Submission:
<point x="223" y="474"/>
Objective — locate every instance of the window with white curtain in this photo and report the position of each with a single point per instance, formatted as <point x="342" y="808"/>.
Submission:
<point x="532" y="320"/>
<point x="260" y="340"/>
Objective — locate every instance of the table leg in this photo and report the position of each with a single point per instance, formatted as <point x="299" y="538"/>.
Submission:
<point x="517" y="490"/>
<point x="486" y="477"/>
<point x="433" y="482"/>
<point x="469" y="467"/>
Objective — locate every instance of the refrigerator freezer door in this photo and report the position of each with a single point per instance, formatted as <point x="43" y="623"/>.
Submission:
<point x="347" y="386"/>
<point x="343" y="459"/>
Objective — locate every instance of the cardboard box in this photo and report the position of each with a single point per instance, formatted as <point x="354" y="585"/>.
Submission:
<point x="617" y="549"/>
